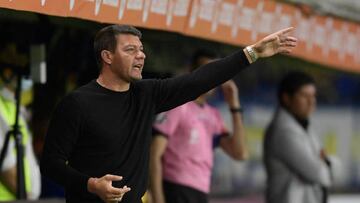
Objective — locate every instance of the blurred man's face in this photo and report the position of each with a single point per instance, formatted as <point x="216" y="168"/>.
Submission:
<point x="204" y="60"/>
<point x="303" y="102"/>
<point x="9" y="78"/>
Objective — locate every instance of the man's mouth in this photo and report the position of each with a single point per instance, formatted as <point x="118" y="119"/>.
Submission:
<point x="138" y="66"/>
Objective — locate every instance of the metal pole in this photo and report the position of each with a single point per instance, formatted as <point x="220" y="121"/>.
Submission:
<point x="21" y="192"/>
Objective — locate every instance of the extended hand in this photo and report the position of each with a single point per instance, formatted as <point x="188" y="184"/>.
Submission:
<point x="277" y="42"/>
<point x="104" y="189"/>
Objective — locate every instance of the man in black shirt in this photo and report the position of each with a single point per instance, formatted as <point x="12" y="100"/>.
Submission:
<point x="97" y="145"/>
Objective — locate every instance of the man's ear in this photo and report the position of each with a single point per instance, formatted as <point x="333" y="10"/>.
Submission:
<point x="285" y="99"/>
<point x="107" y="56"/>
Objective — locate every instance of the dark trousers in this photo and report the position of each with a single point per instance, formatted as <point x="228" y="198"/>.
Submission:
<point x="175" y="193"/>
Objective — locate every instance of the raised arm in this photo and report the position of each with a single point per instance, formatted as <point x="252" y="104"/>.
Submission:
<point x="176" y="91"/>
<point x="234" y="145"/>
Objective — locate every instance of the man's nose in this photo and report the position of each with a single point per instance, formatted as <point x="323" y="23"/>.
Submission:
<point x="141" y="55"/>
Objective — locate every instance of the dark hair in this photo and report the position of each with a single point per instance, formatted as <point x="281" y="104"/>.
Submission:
<point x="292" y="82"/>
<point x="201" y="53"/>
<point x="105" y="39"/>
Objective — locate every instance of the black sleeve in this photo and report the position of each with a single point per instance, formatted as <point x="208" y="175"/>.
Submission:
<point x="63" y="132"/>
<point x="172" y="92"/>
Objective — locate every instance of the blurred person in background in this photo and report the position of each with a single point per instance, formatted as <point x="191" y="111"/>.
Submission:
<point x="181" y="154"/>
<point x="8" y="176"/>
<point x="98" y="141"/>
<point x="298" y="171"/>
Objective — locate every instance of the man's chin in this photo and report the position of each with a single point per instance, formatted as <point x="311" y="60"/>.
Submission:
<point x="137" y="78"/>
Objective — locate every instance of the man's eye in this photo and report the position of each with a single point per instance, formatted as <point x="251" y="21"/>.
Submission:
<point x="130" y="49"/>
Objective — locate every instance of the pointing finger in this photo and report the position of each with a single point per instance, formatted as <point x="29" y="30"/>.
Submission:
<point x="285" y="31"/>
<point x="270" y="39"/>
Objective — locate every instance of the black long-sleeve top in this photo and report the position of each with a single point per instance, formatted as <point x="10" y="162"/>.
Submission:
<point x="95" y="131"/>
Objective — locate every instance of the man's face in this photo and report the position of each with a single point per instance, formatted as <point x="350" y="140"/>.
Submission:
<point x="303" y="102"/>
<point x="128" y="58"/>
<point x="9" y="78"/>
